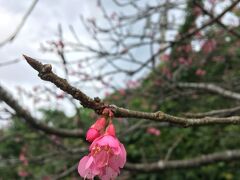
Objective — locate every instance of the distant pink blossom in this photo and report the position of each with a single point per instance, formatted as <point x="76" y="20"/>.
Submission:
<point x="153" y="131"/>
<point x="23" y="173"/>
<point x="107" y="93"/>
<point x="166" y="71"/>
<point x="60" y="96"/>
<point x="122" y="92"/>
<point x="187" y="48"/>
<point x="22" y="156"/>
<point x="132" y="84"/>
<point x="218" y="59"/>
<point x="107" y="155"/>
<point x="212" y="1"/>
<point x="197" y="11"/>
<point x="165" y="57"/>
<point x="209" y="45"/>
<point x="200" y="72"/>
<point x="182" y="60"/>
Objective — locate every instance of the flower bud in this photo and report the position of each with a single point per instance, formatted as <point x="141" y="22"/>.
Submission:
<point x="110" y="130"/>
<point x="92" y="134"/>
<point x="99" y="124"/>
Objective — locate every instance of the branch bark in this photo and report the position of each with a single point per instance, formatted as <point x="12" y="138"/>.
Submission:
<point x="230" y="155"/>
<point x="45" y="73"/>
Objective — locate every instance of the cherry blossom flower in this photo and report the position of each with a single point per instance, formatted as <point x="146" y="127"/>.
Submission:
<point x="165" y="57"/>
<point x="197" y="11"/>
<point x="209" y="46"/>
<point x="200" y="72"/>
<point x="23" y="173"/>
<point x="107" y="155"/>
<point x="153" y="131"/>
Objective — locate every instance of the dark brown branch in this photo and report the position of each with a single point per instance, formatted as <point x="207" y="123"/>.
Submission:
<point x="45" y="73"/>
<point x="33" y="122"/>
<point x="203" y="160"/>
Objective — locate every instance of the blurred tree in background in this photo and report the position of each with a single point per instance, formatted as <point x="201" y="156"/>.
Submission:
<point x="180" y="58"/>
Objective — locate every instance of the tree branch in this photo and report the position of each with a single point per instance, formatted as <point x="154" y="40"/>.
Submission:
<point x="210" y="87"/>
<point x="218" y="113"/>
<point x="19" y="27"/>
<point x="45" y="73"/>
<point x="203" y="160"/>
<point x="33" y="122"/>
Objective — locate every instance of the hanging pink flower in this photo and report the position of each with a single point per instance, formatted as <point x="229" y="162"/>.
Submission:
<point x="107" y="155"/>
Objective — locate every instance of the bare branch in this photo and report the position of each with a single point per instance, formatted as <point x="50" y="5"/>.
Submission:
<point x="218" y="113"/>
<point x="45" y="73"/>
<point x="218" y="21"/>
<point x="9" y="62"/>
<point x="211" y="88"/>
<point x="33" y="122"/>
<point x="19" y="27"/>
<point x="203" y="160"/>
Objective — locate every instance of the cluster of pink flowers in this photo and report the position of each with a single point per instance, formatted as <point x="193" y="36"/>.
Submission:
<point x="22" y="172"/>
<point x="106" y="154"/>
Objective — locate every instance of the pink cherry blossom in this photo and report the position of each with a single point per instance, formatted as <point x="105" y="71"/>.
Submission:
<point x="153" y="131"/>
<point x="200" y="72"/>
<point x="209" y="46"/>
<point x="107" y="155"/>
<point x="197" y="11"/>
<point x="165" y="57"/>
<point x="122" y="92"/>
<point x="23" y="173"/>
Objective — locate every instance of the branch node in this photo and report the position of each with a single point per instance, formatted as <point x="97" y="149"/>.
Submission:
<point x="47" y="68"/>
<point x="160" y="115"/>
<point x="97" y="99"/>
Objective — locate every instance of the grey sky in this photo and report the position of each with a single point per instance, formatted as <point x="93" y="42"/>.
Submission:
<point x="40" y="27"/>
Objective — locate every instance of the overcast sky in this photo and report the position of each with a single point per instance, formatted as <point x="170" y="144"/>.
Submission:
<point x="39" y="27"/>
